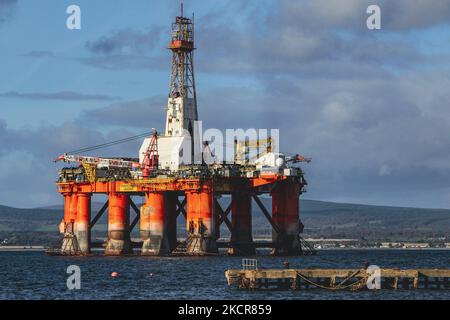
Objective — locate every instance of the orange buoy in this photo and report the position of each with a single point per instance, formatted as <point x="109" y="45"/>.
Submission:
<point x="114" y="274"/>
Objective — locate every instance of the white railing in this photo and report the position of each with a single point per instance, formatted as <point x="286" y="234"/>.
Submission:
<point x="249" y="264"/>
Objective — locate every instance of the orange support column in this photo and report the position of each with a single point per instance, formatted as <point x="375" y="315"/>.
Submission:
<point x="69" y="246"/>
<point x="241" y="215"/>
<point x="82" y="230"/>
<point x="66" y="218"/>
<point x="285" y="214"/>
<point x="171" y="218"/>
<point x="73" y="208"/>
<point x="293" y="209"/>
<point x="200" y="221"/>
<point x="119" y="241"/>
<point x="156" y="222"/>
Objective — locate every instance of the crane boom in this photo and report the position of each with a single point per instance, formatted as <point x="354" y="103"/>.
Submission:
<point x="99" y="162"/>
<point x="298" y="158"/>
<point x="262" y="147"/>
<point x="151" y="158"/>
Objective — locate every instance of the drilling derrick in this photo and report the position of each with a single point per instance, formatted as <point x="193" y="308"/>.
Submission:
<point x="182" y="105"/>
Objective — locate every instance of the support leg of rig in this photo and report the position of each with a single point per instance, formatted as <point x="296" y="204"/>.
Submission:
<point x="66" y="217"/>
<point x="69" y="244"/>
<point x="82" y="230"/>
<point x="200" y="221"/>
<point x="119" y="241"/>
<point x="171" y="209"/>
<point x="285" y="214"/>
<point x="67" y="205"/>
<point x="241" y="215"/>
<point x="157" y="223"/>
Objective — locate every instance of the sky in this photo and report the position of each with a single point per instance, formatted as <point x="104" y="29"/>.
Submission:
<point x="370" y="107"/>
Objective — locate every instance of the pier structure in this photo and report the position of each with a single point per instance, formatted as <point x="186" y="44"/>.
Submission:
<point x="338" y="279"/>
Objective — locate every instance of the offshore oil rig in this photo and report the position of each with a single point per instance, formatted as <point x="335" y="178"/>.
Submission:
<point x="178" y="175"/>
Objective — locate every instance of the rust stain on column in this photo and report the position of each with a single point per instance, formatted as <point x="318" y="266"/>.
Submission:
<point x="82" y="221"/>
<point x="119" y="241"/>
<point x="200" y="222"/>
<point x="152" y="225"/>
<point x="285" y="214"/>
<point x="241" y="215"/>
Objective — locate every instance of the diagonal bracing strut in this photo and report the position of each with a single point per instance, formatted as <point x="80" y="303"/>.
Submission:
<point x="266" y="214"/>
<point x="223" y="215"/>
<point x="98" y="215"/>
<point x="138" y="215"/>
<point x="181" y="207"/>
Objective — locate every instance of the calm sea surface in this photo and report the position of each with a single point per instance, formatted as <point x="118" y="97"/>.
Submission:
<point x="33" y="275"/>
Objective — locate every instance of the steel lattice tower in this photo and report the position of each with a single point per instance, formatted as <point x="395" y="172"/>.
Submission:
<point x="182" y="105"/>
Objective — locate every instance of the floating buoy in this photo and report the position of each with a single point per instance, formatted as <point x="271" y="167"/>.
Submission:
<point x="150" y="274"/>
<point x="114" y="274"/>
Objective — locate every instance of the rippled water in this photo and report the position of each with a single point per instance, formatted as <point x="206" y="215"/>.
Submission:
<point x="33" y="275"/>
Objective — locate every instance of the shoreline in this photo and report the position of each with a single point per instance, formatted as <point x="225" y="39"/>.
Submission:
<point x="22" y="248"/>
<point x="324" y="249"/>
<point x="42" y="248"/>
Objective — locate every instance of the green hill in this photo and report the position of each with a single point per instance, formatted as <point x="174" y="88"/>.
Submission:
<point x="344" y="220"/>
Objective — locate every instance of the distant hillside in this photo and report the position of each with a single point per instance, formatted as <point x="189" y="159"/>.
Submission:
<point x="342" y="220"/>
<point x="373" y="222"/>
<point x="321" y="219"/>
<point x="13" y="219"/>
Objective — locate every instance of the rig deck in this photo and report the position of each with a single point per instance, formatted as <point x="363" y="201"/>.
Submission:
<point x="336" y="279"/>
<point x="194" y="198"/>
